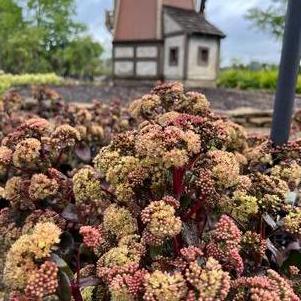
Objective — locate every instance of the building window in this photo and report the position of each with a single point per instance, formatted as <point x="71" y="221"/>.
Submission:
<point x="173" y="56"/>
<point x="203" y="56"/>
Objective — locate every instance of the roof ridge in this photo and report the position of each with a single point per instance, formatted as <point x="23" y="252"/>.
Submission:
<point x="193" y="22"/>
<point x="179" y="8"/>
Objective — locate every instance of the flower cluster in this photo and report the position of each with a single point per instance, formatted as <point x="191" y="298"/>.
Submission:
<point x="161" y="222"/>
<point x="42" y="187"/>
<point x="224" y="244"/>
<point x="91" y="236"/>
<point x="164" y="286"/>
<point x="270" y="287"/>
<point x="86" y="185"/>
<point x="211" y="282"/>
<point x="119" y="221"/>
<point x="21" y="261"/>
<point x="292" y="222"/>
<point x="42" y="282"/>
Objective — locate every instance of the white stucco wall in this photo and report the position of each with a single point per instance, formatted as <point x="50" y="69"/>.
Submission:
<point x="196" y="72"/>
<point x="146" y="68"/>
<point x="170" y="25"/>
<point x="174" y="72"/>
<point x="147" y="51"/>
<point x="124" y="68"/>
<point x="124" y="52"/>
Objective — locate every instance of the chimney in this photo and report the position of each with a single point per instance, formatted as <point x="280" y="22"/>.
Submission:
<point x="203" y="6"/>
<point x="200" y="6"/>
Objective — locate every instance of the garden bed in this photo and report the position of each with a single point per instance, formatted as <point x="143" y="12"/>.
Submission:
<point x="160" y="200"/>
<point x="220" y="98"/>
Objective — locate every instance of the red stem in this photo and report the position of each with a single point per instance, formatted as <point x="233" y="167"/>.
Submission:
<point x="176" y="245"/>
<point x="195" y="208"/>
<point x="75" y="287"/>
<point x="178" y="176"/>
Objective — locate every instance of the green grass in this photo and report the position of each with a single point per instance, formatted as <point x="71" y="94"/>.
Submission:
<point x="247" y="79"/>
<point x="9" y="80"/>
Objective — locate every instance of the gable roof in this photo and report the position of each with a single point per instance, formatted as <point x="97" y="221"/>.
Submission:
<point x="136" y="20"/>
<point x="192" y="22"/>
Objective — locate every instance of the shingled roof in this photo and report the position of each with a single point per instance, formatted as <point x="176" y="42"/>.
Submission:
<point x="192" y="22"/>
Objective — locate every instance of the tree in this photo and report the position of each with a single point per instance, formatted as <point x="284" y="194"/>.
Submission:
<point x="81" y="58"/>
<point x="56" y="19"/>
<point x="271" y="19"/>
<point x="23" y="52"/>
<point x="43" y="36"/>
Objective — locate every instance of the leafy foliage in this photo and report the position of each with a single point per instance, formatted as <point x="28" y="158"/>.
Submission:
<point x="251" y="79"/>
<point x="40" y="36"/>
<point x="270" y="19"/>
<point x="9" y="80"/>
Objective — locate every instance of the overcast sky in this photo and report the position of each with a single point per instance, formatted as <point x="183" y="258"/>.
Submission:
<point x="242" y="42"/>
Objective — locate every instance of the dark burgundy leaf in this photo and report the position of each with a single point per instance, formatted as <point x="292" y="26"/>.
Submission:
<point x="89" y="281"/>
<point x="70" y="213"/>
<point x="83" y="152"/>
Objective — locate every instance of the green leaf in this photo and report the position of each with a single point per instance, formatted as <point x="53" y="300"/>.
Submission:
<point x="294" y="258"/>
<point x="62" y="265"/>
<point x="64" y="289"/>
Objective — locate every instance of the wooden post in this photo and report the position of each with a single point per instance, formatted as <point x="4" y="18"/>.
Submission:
<point x="288" y="74"/>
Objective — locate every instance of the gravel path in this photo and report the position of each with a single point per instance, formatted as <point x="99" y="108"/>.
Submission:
<point x="221" y="99"/>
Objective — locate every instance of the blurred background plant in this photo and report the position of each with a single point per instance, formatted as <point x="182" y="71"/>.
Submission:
<point x="40" y="36"/>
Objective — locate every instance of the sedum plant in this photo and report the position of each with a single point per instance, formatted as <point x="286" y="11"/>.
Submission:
<point x="182" y="206"/>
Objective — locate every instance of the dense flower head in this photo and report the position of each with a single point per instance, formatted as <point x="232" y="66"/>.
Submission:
<point x="210" y="281"/>
<point x="127" y="286"/>
<point x="42" y="187"/>
<point x="191" y="253"/>
<point x="253" y="243"/>
<point x="12" y="101"/>
<point x="43" y="237"/>
<point x="65" y="136"/>
<point x="271" y="287"/>
<point x="160" y="220"/>
<point x="166" y="98"/>
<point x="290" y="173"/>
<point x="5" y="155"/>
<point x="13" y="191"/>
<point x="226" y="230"/>
<point x="119" y="176"/>
<point x="292" y="222"/>
<point x="42" y="216"/>
<point x="236" y="136"/>
<point x="117" y="260"/>
<point x="20" y="262"/>
<point x="263" y="186"/>
<point x="27" y="153"/>
<point x="37" y="127"/>
<point x="119" y="221"/>
<point x="134" y="243"/>
<point x="145" y="106"/>
<point x="224" y="245"/>
<point x="42" y="282"/>
<point x="243" y="206"/>
<point x="86" y="185"/>
<point x="105" y="159"/>
<point x="225" y="168"/>
<point x="92" y="237"/>
<point x="155" y="142"/>
<point x="161" y="286"/>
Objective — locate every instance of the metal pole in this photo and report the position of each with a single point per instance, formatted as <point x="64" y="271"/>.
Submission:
<point x="288" y="73"/>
